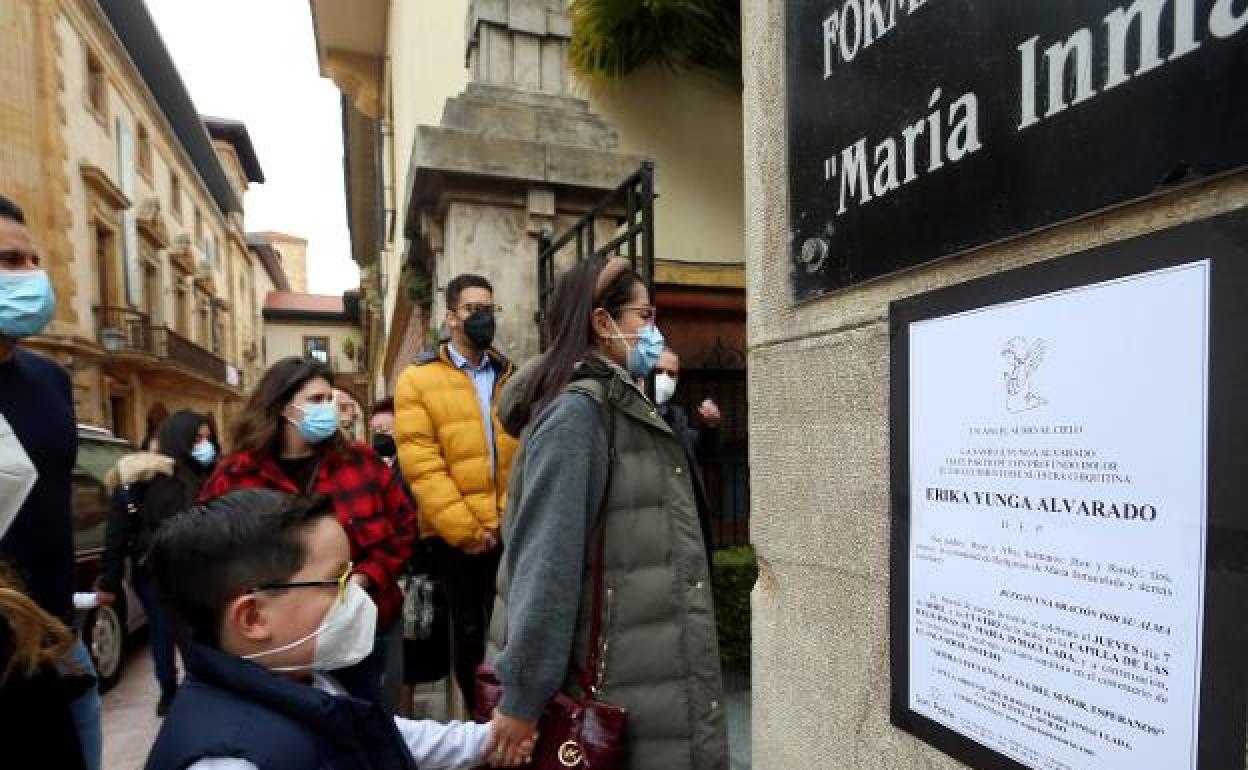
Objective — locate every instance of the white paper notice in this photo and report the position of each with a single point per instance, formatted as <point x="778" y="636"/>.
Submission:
<point x="1057" y="482"/>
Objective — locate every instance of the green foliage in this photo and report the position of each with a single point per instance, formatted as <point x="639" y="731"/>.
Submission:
<point x="419" y="285"/>
<point x="732" y="578"/>
<point x="613" y="38"/>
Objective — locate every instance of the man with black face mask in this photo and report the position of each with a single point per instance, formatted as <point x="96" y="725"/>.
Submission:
<point x="456" y="457"/>
<point x="381" y="428"/>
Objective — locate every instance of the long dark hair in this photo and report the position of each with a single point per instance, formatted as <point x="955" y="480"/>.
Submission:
<point x="258" y="428"/>
<point x="570" y="329"/>
<point x="178" y="434"/>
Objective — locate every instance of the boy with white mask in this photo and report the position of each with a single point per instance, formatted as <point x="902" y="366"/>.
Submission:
<point x="261" y="581"/>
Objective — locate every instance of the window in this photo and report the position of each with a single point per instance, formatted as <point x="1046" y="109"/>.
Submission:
<point x="199" y="228"/>
<point x="175" y="195"/>
<point x="105" y="265"/>
<point x="316" y="347"/>
<point x="97" y="86"/>
<point x="145" y="152"/>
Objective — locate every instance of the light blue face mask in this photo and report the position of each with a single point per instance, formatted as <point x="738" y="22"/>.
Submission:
<point x="320" y="421"/>
<point x="204" y="453"/>
<point x="27" y="303"/>
<point x="644" y="355"/>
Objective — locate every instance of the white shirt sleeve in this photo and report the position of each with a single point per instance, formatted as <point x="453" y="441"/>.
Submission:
<point x="442" y="745"/>
<point x="222" y="763"/>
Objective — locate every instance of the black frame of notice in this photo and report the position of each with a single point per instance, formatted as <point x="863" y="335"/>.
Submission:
<point x="1224" y="669"/>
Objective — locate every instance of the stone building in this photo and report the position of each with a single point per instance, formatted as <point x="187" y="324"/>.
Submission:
<point x="293" y="253"/>
<point x="467" y="130"/>
<point x="820" y="367"/>
<point x="468" y="136"/>
<point x="137" y="202"/>
<point x="320" y="326"/>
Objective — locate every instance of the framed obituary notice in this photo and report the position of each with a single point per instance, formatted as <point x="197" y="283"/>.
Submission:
<point x="1070" y="463"/>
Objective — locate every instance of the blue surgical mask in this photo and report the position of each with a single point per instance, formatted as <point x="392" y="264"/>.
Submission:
<point x="643" y="356"/>
<point x="27" y="303"/>
<point x="204" y="453"/>
<point x="320" y="421"/>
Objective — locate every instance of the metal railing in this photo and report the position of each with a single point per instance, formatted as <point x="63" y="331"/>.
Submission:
<point x="629" y="211"/>
<point x="181" y="351"/>
<point x="121" y="329"/>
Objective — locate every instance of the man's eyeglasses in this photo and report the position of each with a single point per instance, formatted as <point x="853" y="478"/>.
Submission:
<point x="340" y="582"/>
<point x="475" y="308"/>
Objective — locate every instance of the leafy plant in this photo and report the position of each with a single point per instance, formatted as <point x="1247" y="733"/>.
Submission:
<point x="733" y="573"/>
<point x="613" y="38"/>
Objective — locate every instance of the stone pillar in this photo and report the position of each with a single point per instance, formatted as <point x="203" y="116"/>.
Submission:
<point x="515" y="153"/>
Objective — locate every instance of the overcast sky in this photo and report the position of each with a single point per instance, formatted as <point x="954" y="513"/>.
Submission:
<point x="255" y="61"/>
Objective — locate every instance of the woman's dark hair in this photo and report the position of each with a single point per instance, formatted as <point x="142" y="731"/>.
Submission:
<point x="383" y="406"/>
<point x="570" y="331"/>
<point x="178" y="434"/>
<point x="202" y="558"/>
<point x="10" y="210"/>
<point x="258" y="428"/>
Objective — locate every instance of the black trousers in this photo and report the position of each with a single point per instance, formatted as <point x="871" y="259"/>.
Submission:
<point x="468" y="582"/>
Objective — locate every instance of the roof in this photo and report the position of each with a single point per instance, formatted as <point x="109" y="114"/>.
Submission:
<point x="274" y="235"/>
<point x="235" y="132"/>
<point x="137" y="32"/>
<point x="271" y="261"/>
<point x="294" y="306"/>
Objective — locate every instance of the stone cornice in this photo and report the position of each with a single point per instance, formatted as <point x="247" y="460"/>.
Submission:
<point x="102" y="186"/>
<point x="151" y="224"/>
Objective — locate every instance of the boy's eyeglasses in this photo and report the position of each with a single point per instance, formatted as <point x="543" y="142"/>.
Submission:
<point x="472" y="308"/>
<point x="340" y="582"/>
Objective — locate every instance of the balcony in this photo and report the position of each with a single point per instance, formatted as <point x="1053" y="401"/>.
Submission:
<point x="123" y="331"/>
<point x="176" y="349"/>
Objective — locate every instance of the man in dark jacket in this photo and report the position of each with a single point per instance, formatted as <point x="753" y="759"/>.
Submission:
<point x="700" y="443"/>
<point x="37" y="405"/>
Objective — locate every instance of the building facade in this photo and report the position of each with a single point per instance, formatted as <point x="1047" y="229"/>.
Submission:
<point x="136" y="201"/>
<point x="467" y="135"/>
<point x="320" y="326"/>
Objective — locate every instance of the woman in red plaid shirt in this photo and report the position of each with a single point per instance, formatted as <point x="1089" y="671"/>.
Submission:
<point x="287" y="439"/>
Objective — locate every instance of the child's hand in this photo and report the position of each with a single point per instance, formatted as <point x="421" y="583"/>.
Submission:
<point x="511" y="741"/>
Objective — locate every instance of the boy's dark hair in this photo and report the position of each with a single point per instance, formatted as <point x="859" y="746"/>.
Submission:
<point x="383" y="406"/>
<point x="10" y="210"/>
<point x="461" y="282"/>
<point x="202" y="558"/>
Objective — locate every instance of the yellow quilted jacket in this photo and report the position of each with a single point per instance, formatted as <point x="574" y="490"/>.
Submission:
<point x="443" y="452"/>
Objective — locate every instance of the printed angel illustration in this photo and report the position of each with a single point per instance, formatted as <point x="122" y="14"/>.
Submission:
<point x="1022" y="359"/>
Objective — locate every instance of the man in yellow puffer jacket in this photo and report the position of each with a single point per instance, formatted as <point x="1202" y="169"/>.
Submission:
<point x="456" y="458"/>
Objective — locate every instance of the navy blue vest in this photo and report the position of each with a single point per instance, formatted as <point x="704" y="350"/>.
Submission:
<point x="230" y="707"/>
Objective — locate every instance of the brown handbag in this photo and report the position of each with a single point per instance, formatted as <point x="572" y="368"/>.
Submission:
<point x="575" y="732"/>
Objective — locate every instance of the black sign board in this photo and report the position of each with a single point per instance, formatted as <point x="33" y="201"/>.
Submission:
<point x="998" y="628"/>
<point x="923" y="128"/>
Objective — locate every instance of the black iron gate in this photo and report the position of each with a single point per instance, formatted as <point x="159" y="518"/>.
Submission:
<point x="626" y="214"/>
<point x="622" y="224"/>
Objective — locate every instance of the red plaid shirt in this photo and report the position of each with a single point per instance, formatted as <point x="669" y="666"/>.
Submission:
<point x="370" y="502"/>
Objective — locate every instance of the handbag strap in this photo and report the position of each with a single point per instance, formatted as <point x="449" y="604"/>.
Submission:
<point x="595" y="657"/>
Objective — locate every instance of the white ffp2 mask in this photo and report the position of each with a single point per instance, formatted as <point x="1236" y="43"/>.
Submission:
<point x="17" y="475"/>
<point x="345" y="637"/>
<point x="664" y="387"/>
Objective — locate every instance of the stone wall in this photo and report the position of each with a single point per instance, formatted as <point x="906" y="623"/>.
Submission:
<point x="819" y="427"/>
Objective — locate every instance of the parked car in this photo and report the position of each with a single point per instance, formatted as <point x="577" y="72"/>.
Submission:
<point x="106" y="629"/>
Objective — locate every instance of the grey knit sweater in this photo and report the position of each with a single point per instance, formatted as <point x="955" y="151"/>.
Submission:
<point x="546" y="529"/>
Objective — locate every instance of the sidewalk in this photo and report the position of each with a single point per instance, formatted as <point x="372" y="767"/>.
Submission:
<point x="130" y="722"/>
